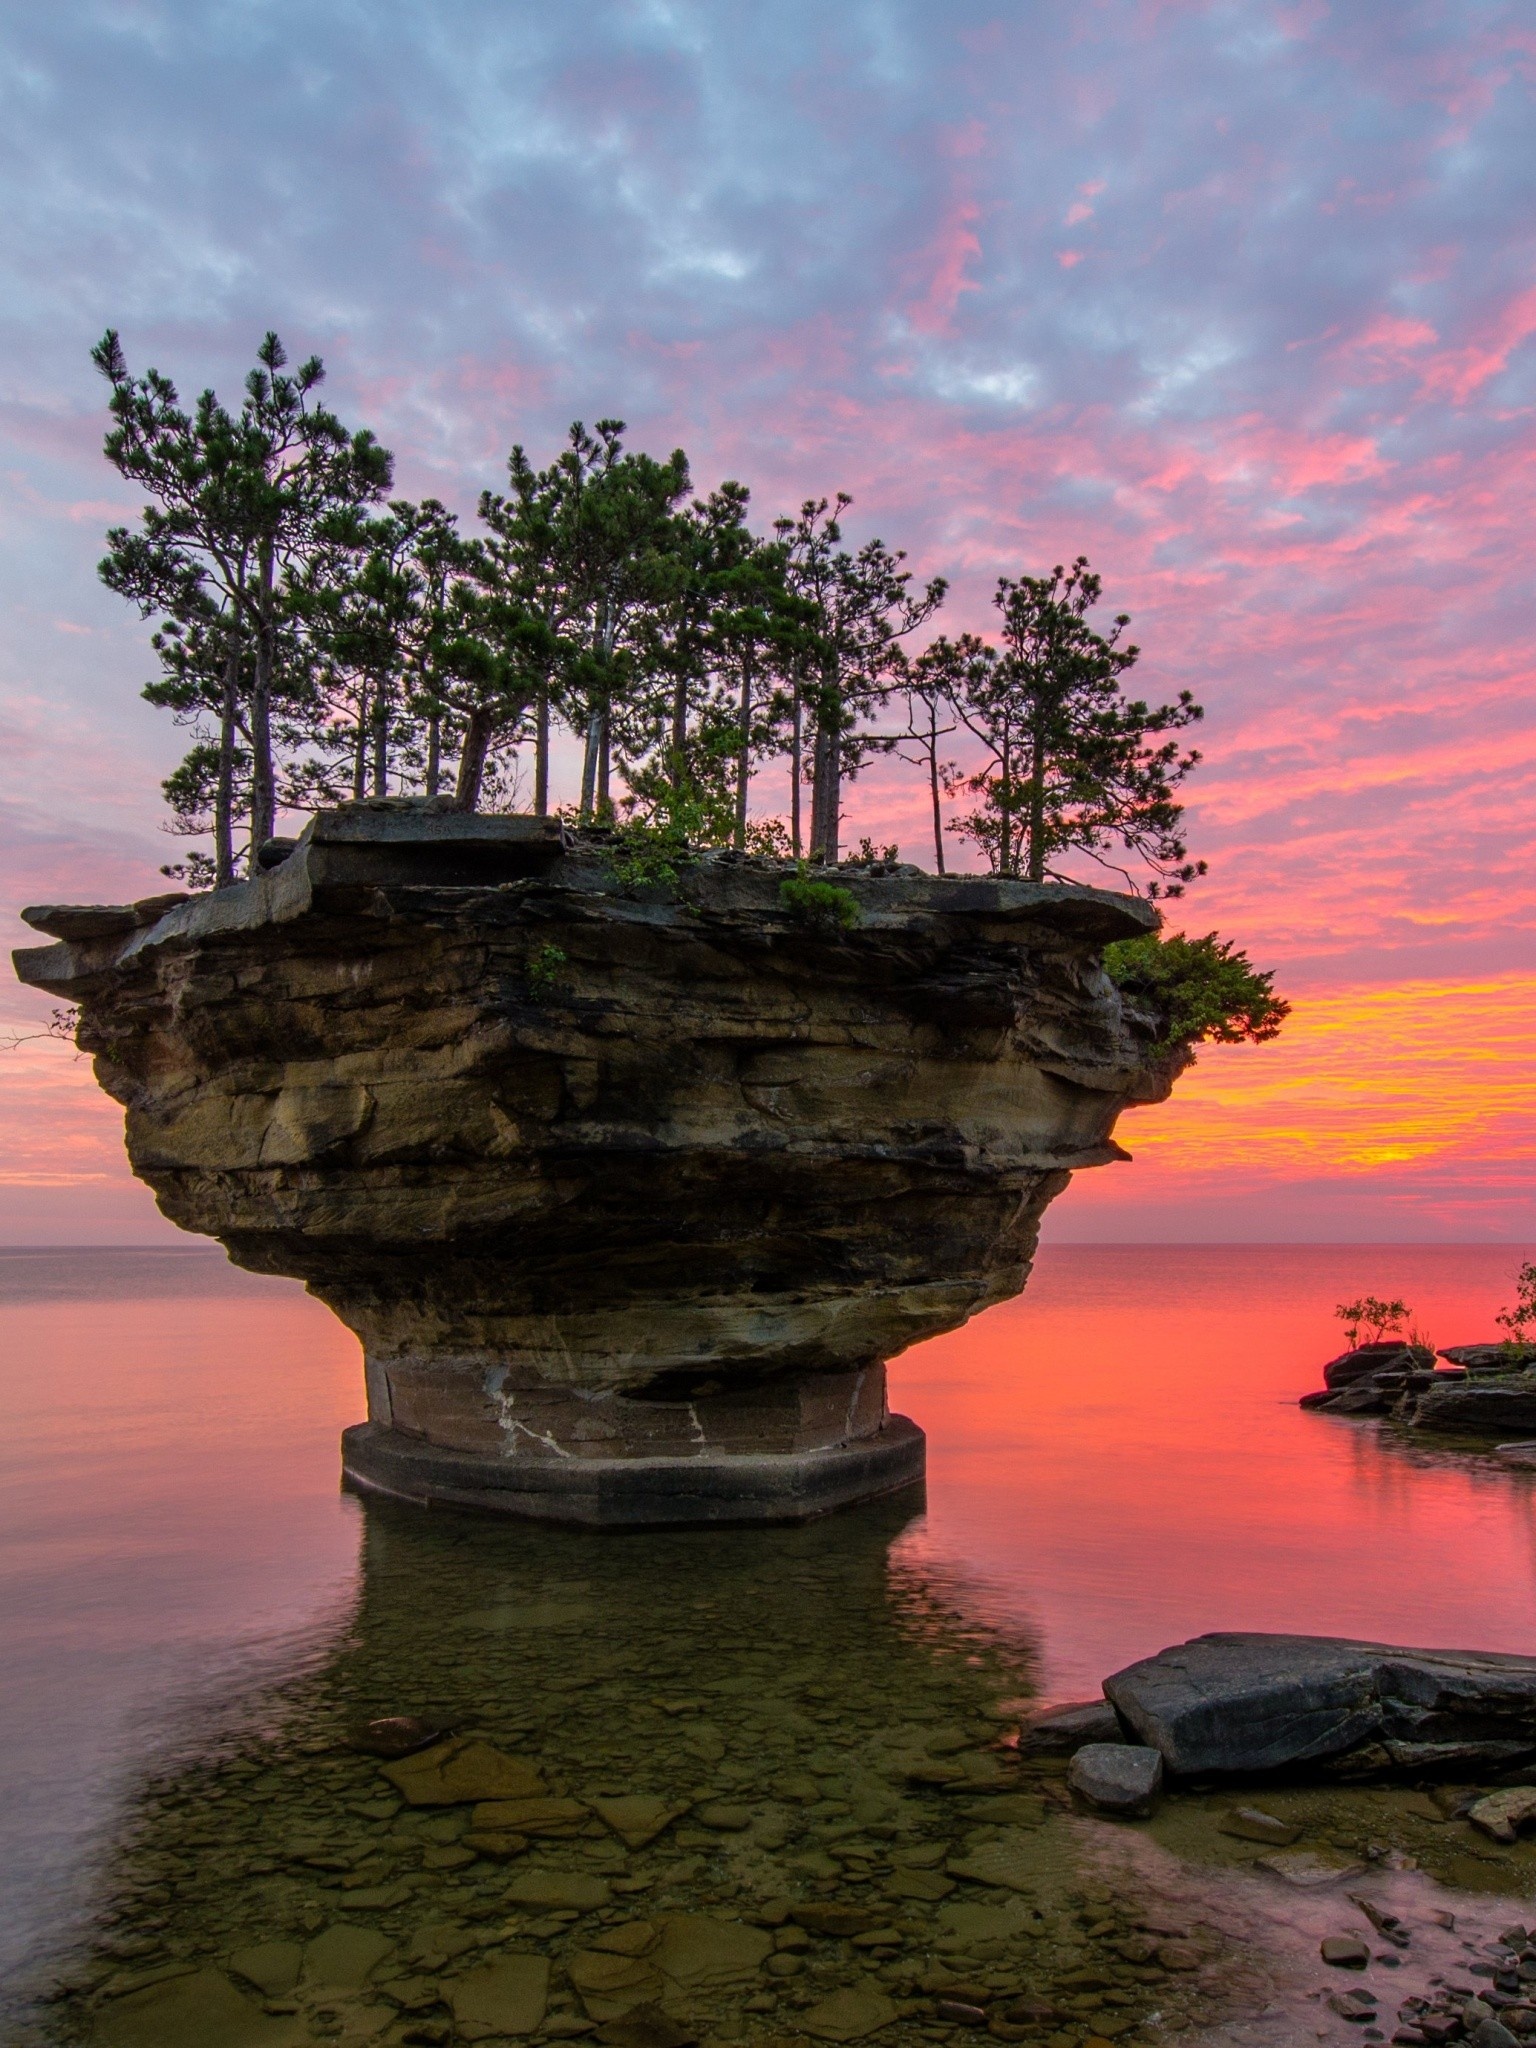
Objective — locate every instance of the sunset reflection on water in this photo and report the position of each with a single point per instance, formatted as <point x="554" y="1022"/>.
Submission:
<point x="1116" y="1462"/>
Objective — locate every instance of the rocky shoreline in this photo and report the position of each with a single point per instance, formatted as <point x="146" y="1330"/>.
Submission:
<point x="1481" y="1390"/>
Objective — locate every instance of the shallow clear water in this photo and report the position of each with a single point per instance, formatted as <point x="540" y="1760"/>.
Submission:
<point x="195" y="1618"/>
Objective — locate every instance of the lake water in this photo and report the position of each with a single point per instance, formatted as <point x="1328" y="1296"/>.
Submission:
<point x="194" y="1617"/>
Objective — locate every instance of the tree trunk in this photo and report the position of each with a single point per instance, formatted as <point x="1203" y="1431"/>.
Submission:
<point x="360" y="749"/>
<point x="826" y="796"/>
<point x="1037" y="803"/>
<point x="589" y="765"/>
<point x="594" y="771"/>
<point x="478" y="733"/>
<point x="1005" y="859"/>
<point x="224" y="793"/>
<point x="744" y="756"/>
<point x="679" y="732"/>
<point x="933" y="790"/>
<point x="795" y="744"/>
<point x="604" y="771"/>
<point x="434" y="752"/>
<point x="380" y="741"/>
<point x="541" y="757"/>
<point x="263" y="780"/>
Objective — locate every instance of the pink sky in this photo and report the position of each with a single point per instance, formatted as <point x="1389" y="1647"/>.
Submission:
<point x="1236" y="298"/>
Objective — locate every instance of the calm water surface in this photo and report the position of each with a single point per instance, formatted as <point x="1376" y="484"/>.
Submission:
<point x="191" y="1607"/>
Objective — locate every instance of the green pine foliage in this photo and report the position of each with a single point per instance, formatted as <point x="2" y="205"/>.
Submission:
<point x="1199" y="989"/>
<point x="822" y="905"/>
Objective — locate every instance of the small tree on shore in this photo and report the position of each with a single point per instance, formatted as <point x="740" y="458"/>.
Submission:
<point x="1519" y="1319"/>
<point x="1372" y="1315"/>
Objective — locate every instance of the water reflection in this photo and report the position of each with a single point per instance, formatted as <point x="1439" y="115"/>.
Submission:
<point x="822" y="1743"/>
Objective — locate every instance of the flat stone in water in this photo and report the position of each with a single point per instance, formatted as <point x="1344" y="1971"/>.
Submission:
<point x="1346" y="1952"/>
<point x="272" y="1967"/>
<point x="839" y="1921"/>
<point x="194" y="2012"/>
<point x="345" y="1956"/>
<point x="849" y="2014"/>
<point x="395" y="1735"/>
<point x="558" y="1891"/>
<point x="533" y="1614"/>
<point x="647" y="2027"/>
<point x="462" y="1773"/>
<point x="630" y="1938"/>
<point x="611" y="1985"/>
<point x="963" y="1926"/>
<point x="528" y="1816"/>
<point x="509" y="1996"/>
<point x="703" y="1953"/>
<point x="1010" y="1861"/>
<point x="1008" y="1809"/>
<point x="723" y="1817"/>
<point x="928" y="1886"/>
<point x="636" y="1817"/>
<point x="1502" y="1814"/>
<point x="1305" y="1869"/>
<point x="439" y="1939"/>
<point x="1252" y="1824"/>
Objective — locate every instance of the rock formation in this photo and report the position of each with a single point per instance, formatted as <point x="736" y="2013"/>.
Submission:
<point x="629" y="1192"/>
<point x="1239" y="1706"/>
<point x="1486" y="1389"/>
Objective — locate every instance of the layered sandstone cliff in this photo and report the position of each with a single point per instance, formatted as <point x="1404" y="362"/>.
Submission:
<point x="601" y="1173"/>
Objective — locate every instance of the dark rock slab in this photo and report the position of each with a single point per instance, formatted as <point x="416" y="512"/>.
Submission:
<point x="1470" y="1407"/>
<point x="1491" y="1357"/>
<point x="1060" y="1730"/>
<point x="1234" y="1706"/>
<point x="1367" y="1359"/>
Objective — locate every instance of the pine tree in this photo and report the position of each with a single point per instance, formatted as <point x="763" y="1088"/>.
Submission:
<point x="849" y="660"/>
<point x="238" y="504"/>
<point x="1073" y="765"/>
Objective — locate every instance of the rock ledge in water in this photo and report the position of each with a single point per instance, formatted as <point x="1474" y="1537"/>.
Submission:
<point x="629" y="1192"/>
<point x="1237" y="1706"/>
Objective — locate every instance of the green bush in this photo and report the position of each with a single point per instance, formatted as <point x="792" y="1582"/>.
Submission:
<point x="821" y="904"/>
<point x="649" y="855"/>
<point x="542" y="969"/>
<point x="1201" y="988"/>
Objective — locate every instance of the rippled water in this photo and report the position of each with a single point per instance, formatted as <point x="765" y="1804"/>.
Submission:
<point x="197" y="1620"/>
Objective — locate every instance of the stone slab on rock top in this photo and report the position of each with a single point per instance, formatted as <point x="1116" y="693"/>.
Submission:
<point x="1117" y="1777"/>
<point x="1240" y="1705"/>
<point x="612" y="1181"/>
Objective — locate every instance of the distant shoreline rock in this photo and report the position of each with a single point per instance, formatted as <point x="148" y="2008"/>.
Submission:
<point x="1482" y="1389"/>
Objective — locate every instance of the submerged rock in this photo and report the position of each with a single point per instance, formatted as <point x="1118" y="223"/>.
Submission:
<point x="1060" y="1730"/>
<point x="1117" y="1777"/>
<point x="628" y="1193"/>
<point x="1227" y="1706"/>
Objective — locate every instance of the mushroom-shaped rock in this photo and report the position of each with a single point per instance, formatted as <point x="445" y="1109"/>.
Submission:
<point x="629" y="1193"/>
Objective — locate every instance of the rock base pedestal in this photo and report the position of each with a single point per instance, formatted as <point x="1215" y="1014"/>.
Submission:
<point x="715" y="1485"/>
